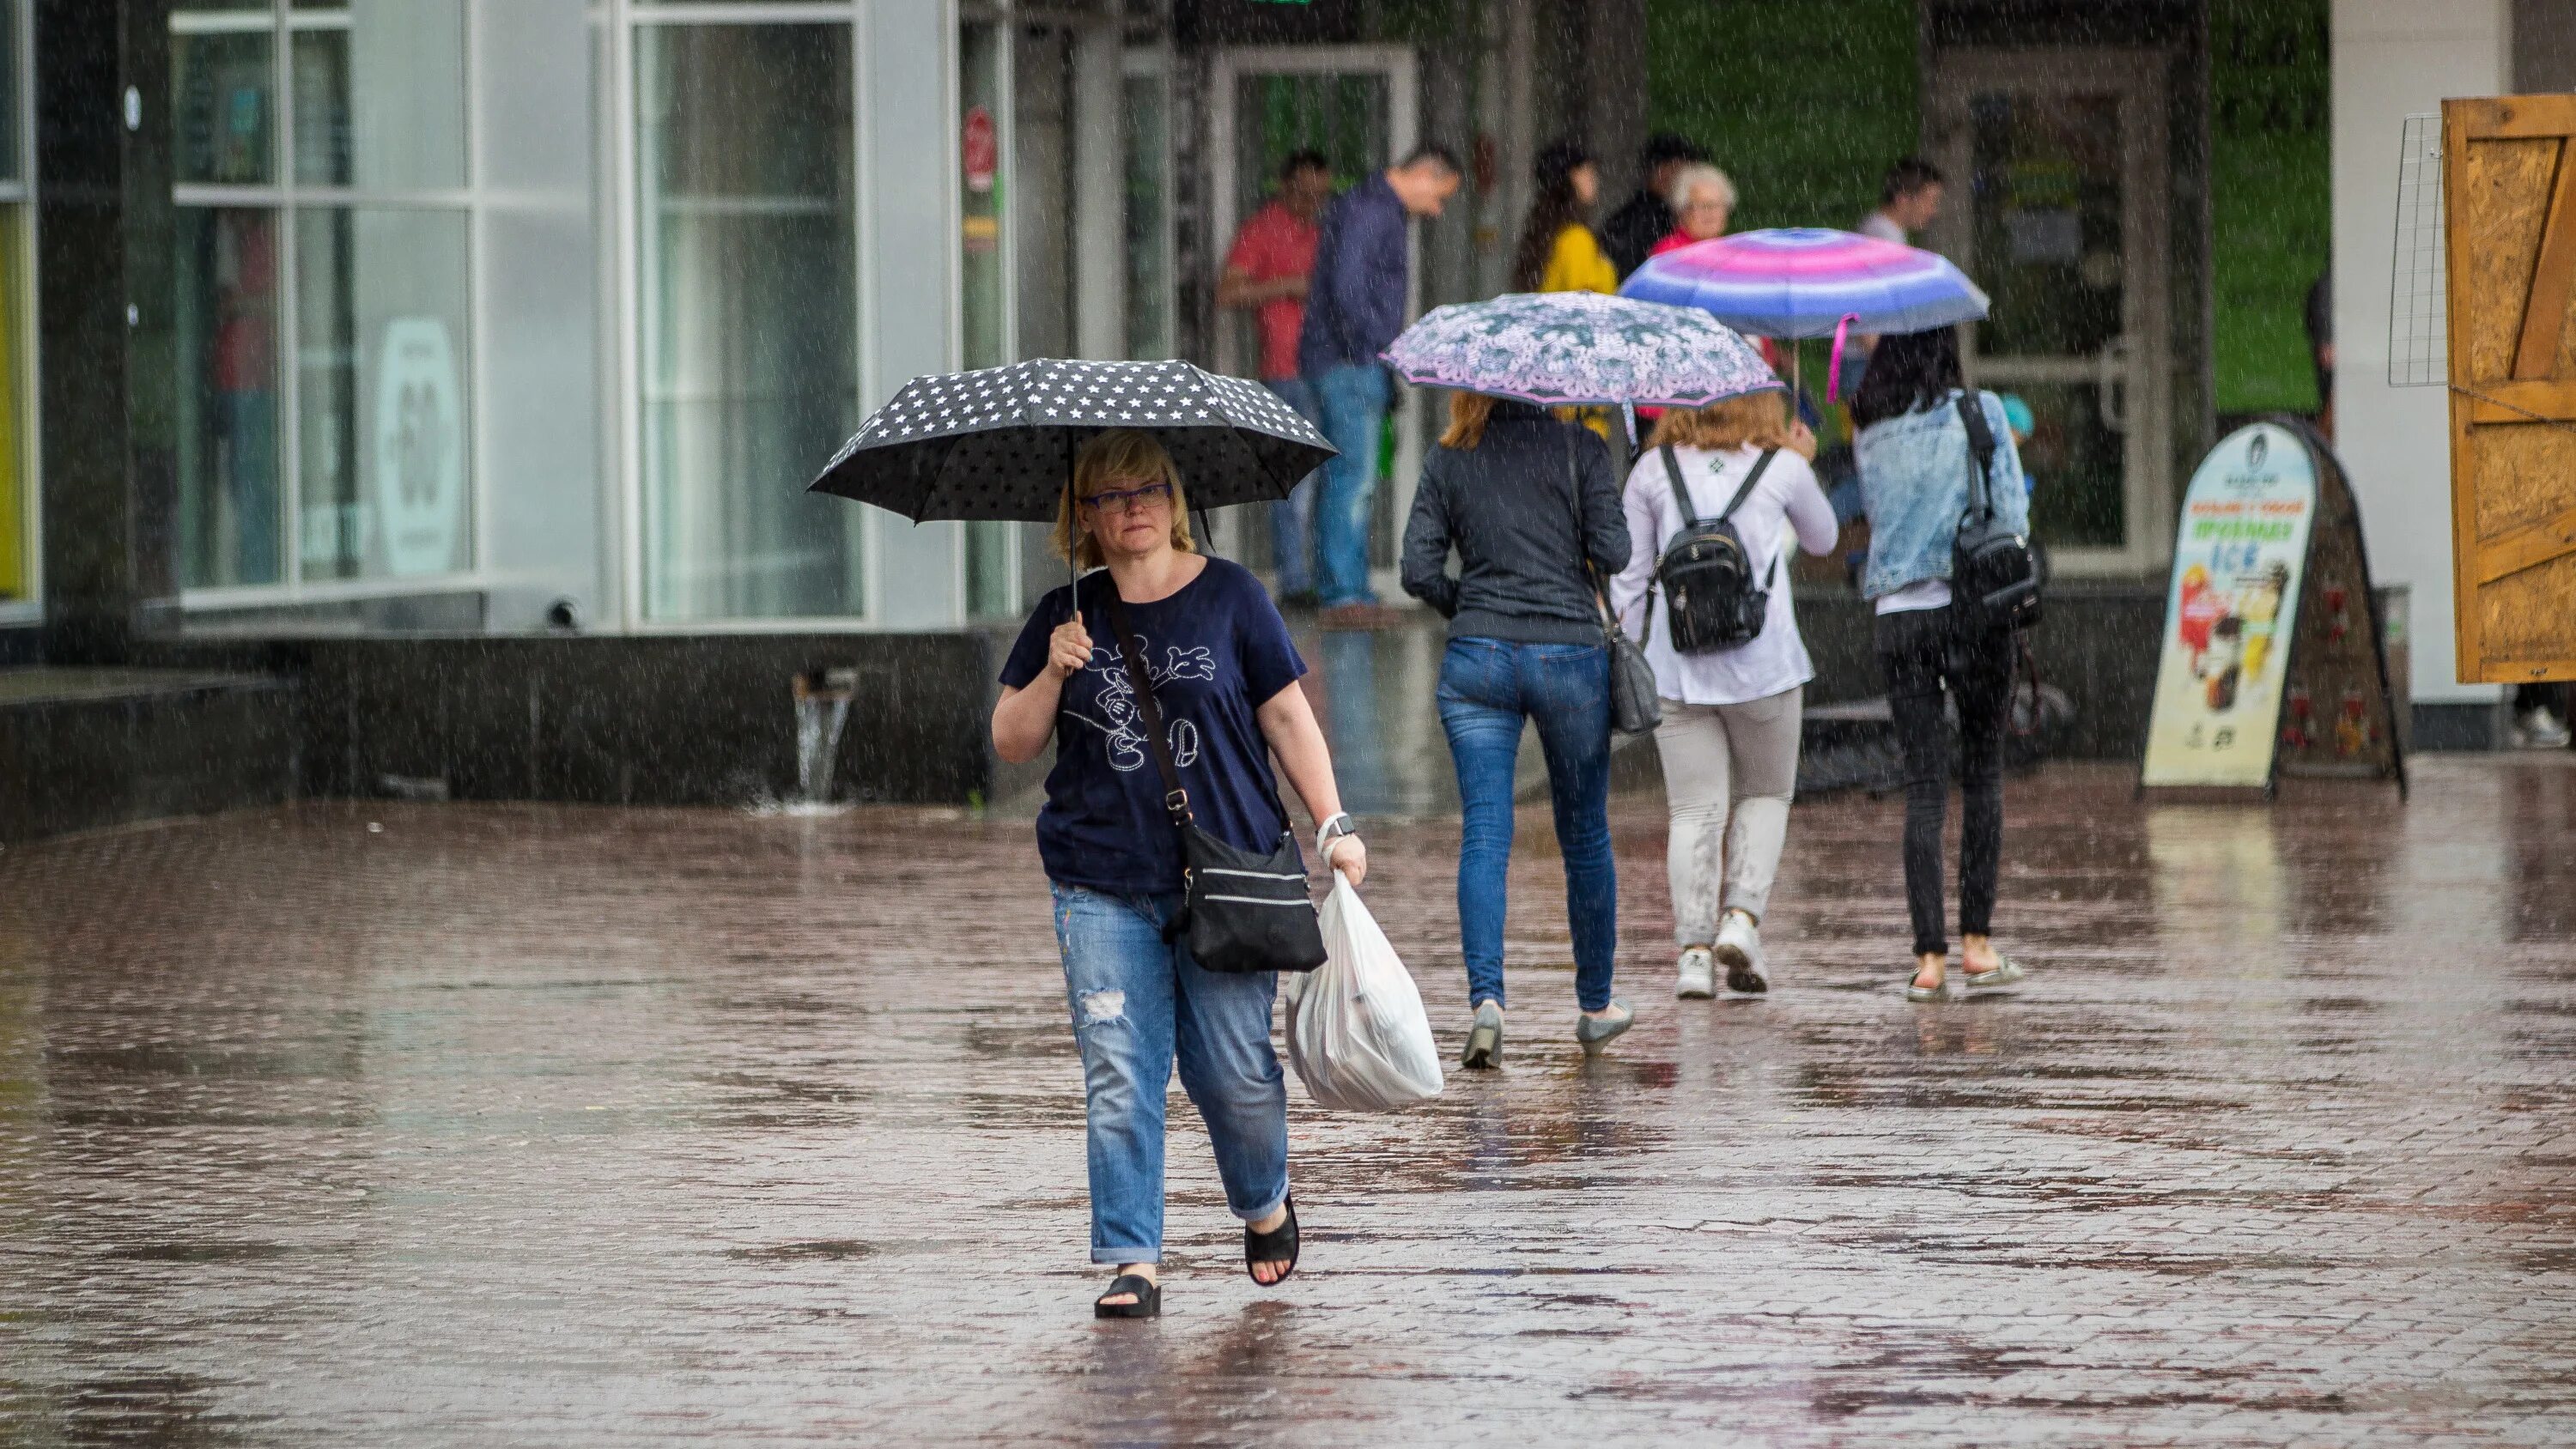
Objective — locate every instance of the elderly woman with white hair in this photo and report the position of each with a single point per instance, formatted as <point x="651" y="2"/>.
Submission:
<point x="1703" y="200"/>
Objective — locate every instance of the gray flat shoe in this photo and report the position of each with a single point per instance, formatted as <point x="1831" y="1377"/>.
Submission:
<point x="1595" y="1032"/>
<point x="1485" y="1038"/>
<point x="2006" y="972"/>
<point x="1948" y="990"/>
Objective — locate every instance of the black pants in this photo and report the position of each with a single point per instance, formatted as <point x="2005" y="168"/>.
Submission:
<point x="1921" y="655"/>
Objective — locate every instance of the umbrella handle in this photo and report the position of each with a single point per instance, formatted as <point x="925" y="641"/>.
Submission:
<point x="1834" y="369"/>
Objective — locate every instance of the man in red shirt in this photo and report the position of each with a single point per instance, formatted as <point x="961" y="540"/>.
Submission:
<point x="1265" y="274"/>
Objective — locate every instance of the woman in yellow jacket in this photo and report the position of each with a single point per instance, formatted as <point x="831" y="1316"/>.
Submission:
<point x="1558" y="250"/>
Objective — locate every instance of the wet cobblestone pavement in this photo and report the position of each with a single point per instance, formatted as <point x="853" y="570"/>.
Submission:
<point x="400" y="1125"/>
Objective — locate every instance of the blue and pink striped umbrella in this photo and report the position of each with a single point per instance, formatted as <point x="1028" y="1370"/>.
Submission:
<point x="1810" y="281"/>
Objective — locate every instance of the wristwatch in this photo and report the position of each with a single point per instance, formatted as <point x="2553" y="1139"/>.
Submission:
<point x="1332" y="830"/>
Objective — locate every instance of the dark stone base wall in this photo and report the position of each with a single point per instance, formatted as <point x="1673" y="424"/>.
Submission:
<point x="701" y="720"/>
<point x="184" y="748"/>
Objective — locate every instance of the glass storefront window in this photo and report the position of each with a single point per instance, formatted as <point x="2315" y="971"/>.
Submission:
<point x="379" y="90"/>
<point x="231" y="489"/>
<point x="323" y="356"/>
<point x="17" y="501"/>
<point x="1149" y="235"/>
<point x="380" y="369"/>
<point x="981" y="149"/>
<point x="223" y="95"/>
<point x="17" y="493"/>
<point x="747" y="231"/>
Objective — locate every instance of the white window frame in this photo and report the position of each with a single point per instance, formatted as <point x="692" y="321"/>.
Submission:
<point x="624" y="191"/>
<point x="283" y="198"/>
<point x="21" y="194"/>
<point x="998" y="14"/>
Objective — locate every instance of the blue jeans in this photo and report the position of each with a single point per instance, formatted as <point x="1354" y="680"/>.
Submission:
<point x="1487" y="687"/>
<point x="1135" y="1003"/>
<point x="1292" y="519"/>
<point x="1353" y="400"/>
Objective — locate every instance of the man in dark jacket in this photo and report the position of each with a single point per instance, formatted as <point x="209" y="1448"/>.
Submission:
<point x="1647" y="217"/>
<point x="1354" y="308"/>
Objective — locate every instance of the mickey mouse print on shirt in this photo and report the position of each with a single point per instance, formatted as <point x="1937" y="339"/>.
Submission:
<point x="1214" y="651"/>
<point x="1123" y="723"/>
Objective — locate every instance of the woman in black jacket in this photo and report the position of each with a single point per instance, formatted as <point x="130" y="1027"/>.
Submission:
<point x="1531" y="507"/>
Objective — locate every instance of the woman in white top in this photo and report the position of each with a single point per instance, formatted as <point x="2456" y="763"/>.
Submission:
<point x="1729" y="739"/>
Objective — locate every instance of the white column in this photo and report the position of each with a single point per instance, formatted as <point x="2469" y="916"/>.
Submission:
<point x="907" y="92"/>
<point x="1099" y="194"/>
<point x="2393" y="59"/>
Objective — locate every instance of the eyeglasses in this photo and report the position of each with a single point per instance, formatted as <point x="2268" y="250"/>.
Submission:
<point x="1127" y="499"/>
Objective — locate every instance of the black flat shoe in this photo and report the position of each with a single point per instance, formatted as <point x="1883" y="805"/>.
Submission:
<point x="1275" y="1246"/>
<point x="1148" y="1294"/>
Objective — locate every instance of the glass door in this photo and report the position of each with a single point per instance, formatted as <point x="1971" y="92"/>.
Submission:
<point x="1355" y="104"/>
<point x="2057" y="162"/>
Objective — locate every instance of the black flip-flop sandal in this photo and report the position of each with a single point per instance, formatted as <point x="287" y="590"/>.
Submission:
<point x="1275" y="1246"/>
<point x="1147" y="1292"/>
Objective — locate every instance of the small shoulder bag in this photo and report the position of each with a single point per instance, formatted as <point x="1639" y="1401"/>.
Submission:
<point x="1711" y="600"/>
<point x="1994" y="571"/>
<point x="1634" y="707"/>
<point x="1242" y="911"/>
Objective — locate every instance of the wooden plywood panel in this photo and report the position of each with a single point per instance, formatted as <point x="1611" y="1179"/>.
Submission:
<point x="2509" y="199"/>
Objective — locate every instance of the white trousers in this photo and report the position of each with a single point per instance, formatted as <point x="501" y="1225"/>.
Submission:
<point x="1729" y="771"/>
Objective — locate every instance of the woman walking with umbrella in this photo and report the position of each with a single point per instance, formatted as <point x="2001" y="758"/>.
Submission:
<point x="1167" y="692"/>
<point x="1224" y="678"/>
<point x="1530" y="506"/>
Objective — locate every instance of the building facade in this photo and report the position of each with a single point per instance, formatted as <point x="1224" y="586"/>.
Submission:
<point x="398" y="320"/>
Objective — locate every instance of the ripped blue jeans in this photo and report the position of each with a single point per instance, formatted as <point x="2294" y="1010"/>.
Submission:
<point x="1137" y="1004"/>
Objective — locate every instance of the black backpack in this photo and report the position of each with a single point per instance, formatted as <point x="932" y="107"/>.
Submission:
<point x="1994" y="571"/>
<point x="1711" y="601"/>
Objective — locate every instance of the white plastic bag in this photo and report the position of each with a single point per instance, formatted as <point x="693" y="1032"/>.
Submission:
<point x="1357" y="1033"/>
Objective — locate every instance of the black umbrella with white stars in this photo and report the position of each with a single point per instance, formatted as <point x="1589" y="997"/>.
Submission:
<point x="999" y="442"/>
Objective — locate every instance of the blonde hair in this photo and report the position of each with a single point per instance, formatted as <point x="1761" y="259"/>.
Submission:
<point x="1117" y="455"/>
<point x="1760" y="419"/>
<point x="1467" y="414"/>
<point x="1691" y="178"/>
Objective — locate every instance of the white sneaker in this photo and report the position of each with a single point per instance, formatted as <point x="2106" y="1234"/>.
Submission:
<point x="2543" y="730"/>
<point x="1695" y="978"/>
<point x="1739" y="945"/>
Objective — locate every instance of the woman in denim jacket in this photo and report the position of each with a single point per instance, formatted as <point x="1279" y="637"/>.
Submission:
<point x="1914" y="460"/>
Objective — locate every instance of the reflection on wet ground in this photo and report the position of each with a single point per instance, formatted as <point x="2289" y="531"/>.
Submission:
<point x="411" y="1124"/>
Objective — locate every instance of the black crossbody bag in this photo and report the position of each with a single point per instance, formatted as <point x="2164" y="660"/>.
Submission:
<point x="1995" y="574"/>
<point x="1242" y="911"/>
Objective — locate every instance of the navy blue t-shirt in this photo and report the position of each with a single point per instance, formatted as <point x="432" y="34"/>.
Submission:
<point x="1216" y="652"/>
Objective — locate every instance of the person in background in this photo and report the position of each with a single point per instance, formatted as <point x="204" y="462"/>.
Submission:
<point x="1909" y="197"/>
<point x="1914" y="457"/>
<point x="1354" y="309"/>
<point x="1531" y="507"/>
<point x="1703" y="202"/>
<point x="1136" y="998"/>
<point x="1558" y="250"/>
<point x="2319" y="316"/>
<point x="1647" y="217"/>
<point x="1265" y="274"/>
<point x="1729" y="739"/>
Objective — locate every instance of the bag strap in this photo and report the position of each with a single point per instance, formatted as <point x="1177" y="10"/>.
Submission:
<point x="1981" y="451"/>
<point x="1132" y="649"/>
<point x="1681" y="493"/>
<point x="1745" y="490"/>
